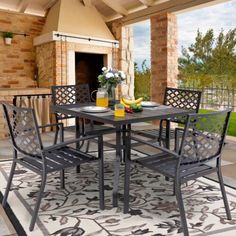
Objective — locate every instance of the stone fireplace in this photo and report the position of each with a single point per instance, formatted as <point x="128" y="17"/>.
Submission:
<point x="66" y="35"/>
<point x="67" y="60"/>
<point x="73" y="48"/>
<point x="87" y="68"/>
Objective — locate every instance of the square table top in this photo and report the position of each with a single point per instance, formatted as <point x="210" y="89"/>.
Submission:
<point x="148" y="114"/>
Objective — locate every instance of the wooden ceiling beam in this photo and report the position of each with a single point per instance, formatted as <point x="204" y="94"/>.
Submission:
<point x="22" y="6"/>
<point x="147" y="3"/>
<point x="49" y="4"/>
<point x="168" y="6"/>
<point x="87" y="3"/>
<point x="116" y="7"/>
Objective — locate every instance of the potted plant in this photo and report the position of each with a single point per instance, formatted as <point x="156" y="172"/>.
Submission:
<point x="8" y="37"/>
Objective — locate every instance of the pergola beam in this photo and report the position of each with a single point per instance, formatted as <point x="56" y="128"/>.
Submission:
<point x="147" y="3"/>
<point x="23" y="4"/>
<point x="49" y="4"/>
<point x="116" y="7"/>
<point x="87" y="3"/>
<point x="169" y="6"/>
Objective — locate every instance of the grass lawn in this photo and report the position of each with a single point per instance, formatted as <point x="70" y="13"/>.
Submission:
<point x="232" y="123"/>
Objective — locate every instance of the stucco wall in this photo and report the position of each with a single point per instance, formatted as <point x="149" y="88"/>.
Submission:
<point x="71" y="16"/>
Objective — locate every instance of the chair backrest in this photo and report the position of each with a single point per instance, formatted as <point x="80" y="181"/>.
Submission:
<point x="70" y="94"/>
<point x="203" y="137"/>
<point x="183" y="98"/>
<point x="23" y="129"/>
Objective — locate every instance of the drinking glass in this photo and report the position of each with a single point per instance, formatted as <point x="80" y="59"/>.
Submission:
<point x="119" y="110"/>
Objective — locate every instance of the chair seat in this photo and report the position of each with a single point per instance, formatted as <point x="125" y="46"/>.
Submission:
<point x="154" y="133"/>
<point x="165" y="164"/>
<point x="56" y="160"/>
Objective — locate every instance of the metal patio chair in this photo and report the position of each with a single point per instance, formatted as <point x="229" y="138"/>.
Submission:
<point x="178" y="98"/>
<point x="73" y="94"/>
<point x="26" y="140"/>
<point x="201" y="142"/>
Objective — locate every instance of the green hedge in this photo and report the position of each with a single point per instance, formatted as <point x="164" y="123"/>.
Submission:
<point x="142" y="86"/>
<point x="232" y="123"/>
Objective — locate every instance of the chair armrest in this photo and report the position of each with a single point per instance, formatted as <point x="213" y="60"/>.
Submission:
<point x="51" y="125"/>
<point x="63" y="144"/>
<point x="59" y="126"/>
<point x="157" y="146"/>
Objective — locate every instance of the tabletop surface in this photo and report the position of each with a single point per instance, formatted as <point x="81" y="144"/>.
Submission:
<point x="148" y="114"/>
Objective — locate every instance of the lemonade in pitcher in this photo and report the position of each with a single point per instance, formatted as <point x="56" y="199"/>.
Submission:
<point x="102" y="98"/>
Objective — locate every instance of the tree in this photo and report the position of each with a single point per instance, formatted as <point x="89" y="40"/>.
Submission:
<point x="209" y="61"/>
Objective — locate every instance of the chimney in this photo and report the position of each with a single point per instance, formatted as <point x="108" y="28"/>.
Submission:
<point x="72" y="17"/>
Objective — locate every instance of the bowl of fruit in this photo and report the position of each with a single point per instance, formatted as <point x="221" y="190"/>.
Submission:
<point x="131" y="105"/>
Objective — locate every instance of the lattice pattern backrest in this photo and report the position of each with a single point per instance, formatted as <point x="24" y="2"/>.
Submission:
<point x="70" y="94"/>
<point x="204" y="136"/>
<point x="23" y="129"/>
<point x="182" y="98"/>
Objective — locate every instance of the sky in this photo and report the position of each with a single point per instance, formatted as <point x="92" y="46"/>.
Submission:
<point x="217" y="17"/>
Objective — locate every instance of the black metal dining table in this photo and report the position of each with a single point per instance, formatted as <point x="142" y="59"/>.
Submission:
<point x="122" y="127"/>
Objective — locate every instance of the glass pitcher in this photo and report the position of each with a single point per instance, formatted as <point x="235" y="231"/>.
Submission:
<point x="102" y="97"/>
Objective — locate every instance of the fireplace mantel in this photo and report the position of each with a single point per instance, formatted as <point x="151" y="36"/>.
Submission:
<point x="74" y="38"/>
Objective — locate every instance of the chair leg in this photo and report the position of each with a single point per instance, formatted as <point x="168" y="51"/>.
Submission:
<point x="78" y="169"/>
<point x="62" y="177"/>
<point x="36" y="208"/>
<point x="173" y="187"/>
<point x="179" y="198"/>
<point x="101" y="184"/>
<point x="222" y="187"/>
<point x="13" y="167"/>
<point x="56" y="136"/>
<point x="87" y="146"/>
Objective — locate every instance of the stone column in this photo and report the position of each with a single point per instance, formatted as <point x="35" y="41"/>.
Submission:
<point x="124" y="56"/>
<point x="164" y="54"/>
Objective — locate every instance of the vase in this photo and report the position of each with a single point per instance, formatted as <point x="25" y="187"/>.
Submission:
<point x="111" y="94"/>
<point x="8" y="41"/>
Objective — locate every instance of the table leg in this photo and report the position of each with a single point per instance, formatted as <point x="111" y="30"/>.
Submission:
<point x="117" y="167"/>
<point x="167" y="134"/>
<point x="77" y="134"/>
<point x="167" y="140"/>
<point x="123" y="142"/>
<point x="127" y="168"/>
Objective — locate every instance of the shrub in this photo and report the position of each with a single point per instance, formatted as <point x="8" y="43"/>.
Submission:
<point x="142" y="81"/>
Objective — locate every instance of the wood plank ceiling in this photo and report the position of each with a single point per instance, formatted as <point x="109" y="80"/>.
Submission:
<point x="130" y="11"/>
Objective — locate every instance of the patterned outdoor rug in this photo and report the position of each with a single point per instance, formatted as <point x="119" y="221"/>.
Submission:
<point x="74" y="211"/>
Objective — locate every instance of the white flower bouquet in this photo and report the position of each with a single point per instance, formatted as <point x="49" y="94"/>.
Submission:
<point x="111" y="77"/>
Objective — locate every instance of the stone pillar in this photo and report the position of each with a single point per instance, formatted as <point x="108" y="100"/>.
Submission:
<point x="125" y="59"/>
<point x="164" y="54"/>
<point x="46" y="63"/>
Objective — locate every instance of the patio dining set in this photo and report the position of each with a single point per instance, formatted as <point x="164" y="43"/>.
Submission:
<point x="198" y="140"/>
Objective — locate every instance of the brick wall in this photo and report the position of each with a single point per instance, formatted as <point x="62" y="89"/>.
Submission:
<point x="164" y="54"/>
<point x="17" y="61"/>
